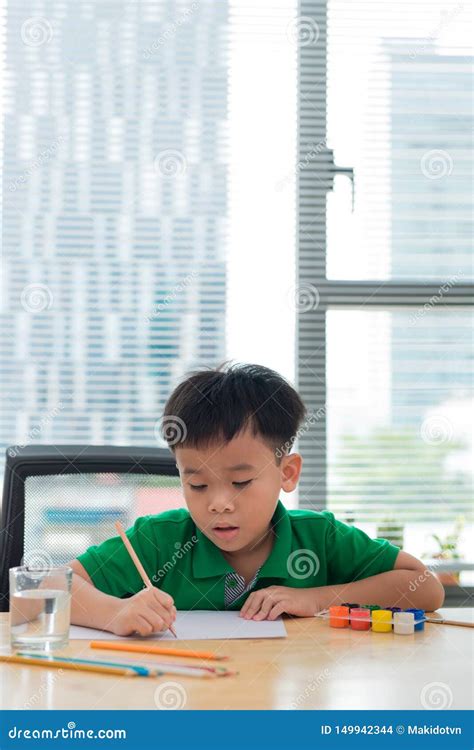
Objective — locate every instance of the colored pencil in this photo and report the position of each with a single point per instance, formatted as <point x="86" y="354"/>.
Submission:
<point x="57" y="664"/>
<point x="143" y="670"/>
<point x="189" y="670"/>
<point x="137" y="562"/>
<point x="149" y="649"/>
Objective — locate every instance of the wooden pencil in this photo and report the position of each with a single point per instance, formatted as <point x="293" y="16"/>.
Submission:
<point x="442" y="621"/>
<point x="137" y="562"/>
<point x="57" y="664"/>
<point x="143" y="670"/>
<point x="149" y="649"/>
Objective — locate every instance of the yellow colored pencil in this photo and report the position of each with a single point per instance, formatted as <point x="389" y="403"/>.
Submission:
<point x="14" y="659"/>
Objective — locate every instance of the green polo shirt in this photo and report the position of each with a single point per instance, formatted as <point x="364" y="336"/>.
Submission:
<point x="310" y="549"/>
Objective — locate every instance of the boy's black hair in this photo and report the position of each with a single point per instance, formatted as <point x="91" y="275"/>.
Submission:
<point x="217" y="404"/>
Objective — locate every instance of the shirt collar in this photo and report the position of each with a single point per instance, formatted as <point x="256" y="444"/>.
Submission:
<point x="209" y="562"/>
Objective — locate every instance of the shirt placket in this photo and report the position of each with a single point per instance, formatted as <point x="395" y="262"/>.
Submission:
<point x="235" y="587"/>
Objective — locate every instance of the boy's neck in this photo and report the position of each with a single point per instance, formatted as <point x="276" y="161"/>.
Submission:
<point x="247" y="561"/>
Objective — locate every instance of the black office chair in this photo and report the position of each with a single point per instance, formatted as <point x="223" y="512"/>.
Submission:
<point x="60" y="499"/>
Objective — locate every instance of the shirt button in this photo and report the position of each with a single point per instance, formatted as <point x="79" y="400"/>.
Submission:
<point x="232" y="584"/>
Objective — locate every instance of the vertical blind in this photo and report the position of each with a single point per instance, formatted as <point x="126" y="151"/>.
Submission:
<point x="385" y="336"/>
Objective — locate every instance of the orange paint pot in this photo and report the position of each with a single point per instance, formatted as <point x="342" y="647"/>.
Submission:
<point x="360" y="618"/>
<point x="339" y="617"/>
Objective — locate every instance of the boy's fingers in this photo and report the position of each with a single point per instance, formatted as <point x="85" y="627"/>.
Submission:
<point x="157" y="610"/>
<point x="142" y="626"/>
<point x="245" y="606"/>
<point x="254" y="606"/>
<point x="267" y="604"/>
<point x="156" y="621"/>
<point x="163" y="597"/>
<point x="276" y="611"/>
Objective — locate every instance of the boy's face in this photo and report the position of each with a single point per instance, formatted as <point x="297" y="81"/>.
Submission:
<point x="231" y="489"/>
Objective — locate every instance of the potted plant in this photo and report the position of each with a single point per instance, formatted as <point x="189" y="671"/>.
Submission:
<point x="447" y="549"/>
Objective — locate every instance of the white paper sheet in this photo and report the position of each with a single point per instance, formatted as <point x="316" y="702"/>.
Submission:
<point x="197" y="625"/>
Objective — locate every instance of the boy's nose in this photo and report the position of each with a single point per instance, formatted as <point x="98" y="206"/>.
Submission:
<point x="221" y="503"/>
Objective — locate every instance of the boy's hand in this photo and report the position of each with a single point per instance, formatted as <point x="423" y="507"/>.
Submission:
<point x="269" y="603"/>
<point x="149" y="611"/>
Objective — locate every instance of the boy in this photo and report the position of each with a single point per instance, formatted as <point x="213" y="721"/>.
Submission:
<point x="236" y="547"/>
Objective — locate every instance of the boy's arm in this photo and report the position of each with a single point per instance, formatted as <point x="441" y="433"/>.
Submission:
<point x="148" y="611"/>
<point x="409" y="584"/>
<point x="89" y="606"/>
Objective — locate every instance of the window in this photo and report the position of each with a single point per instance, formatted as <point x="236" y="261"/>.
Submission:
<point x="138" y="141"/>
<point x="385" y="267"/>
<point x="114" y="214"/>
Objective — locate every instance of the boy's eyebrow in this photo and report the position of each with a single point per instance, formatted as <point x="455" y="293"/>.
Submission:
<point x="237" y="467"/>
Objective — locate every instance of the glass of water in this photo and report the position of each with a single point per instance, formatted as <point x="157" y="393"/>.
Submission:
<point x="40" y="607"/>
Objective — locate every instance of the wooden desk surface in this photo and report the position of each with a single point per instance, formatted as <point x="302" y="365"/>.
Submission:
<point x="315" y="667"/>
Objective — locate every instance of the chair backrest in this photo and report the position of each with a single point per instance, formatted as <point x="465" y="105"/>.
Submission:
<point x="60" y="499"/>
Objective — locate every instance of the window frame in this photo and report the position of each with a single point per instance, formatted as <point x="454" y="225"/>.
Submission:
<point x="312" y="185"/>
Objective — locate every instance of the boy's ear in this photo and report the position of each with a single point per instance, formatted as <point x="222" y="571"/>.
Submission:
<point x="290" y="468"/>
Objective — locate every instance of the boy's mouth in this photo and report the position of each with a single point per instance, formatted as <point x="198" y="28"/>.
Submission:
<point x="225" y="531"/>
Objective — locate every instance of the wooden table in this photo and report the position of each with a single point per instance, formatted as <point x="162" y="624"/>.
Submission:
<point x="315" y="667"/>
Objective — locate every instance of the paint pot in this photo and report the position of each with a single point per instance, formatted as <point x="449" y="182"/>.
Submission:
<point x="370" y="607"/>
<point x="351" y="605"/>
<point x="339" y="616"/>
<point x="403" y="623"/>
<point x="360" y="618"/>
<point x="381" y="621"/>
<point x="419" y="615"/>
<point x="394" y="609"/>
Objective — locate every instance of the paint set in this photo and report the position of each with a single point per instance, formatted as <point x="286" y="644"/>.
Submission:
<point x="372" y="617"/>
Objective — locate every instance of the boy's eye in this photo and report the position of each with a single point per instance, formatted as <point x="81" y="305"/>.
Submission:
<point x="242" y="484"/>
<point x="239" y="485"/>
